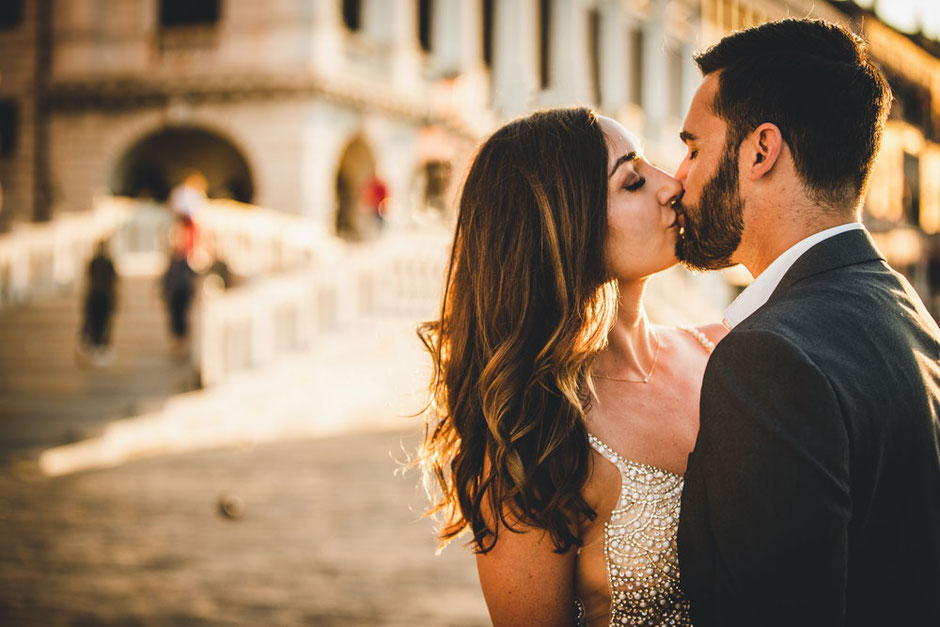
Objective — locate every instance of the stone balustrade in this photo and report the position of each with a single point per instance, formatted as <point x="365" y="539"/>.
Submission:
<point x="359" y="285"/>
<point x="298" y="285"/>
<point x="49" y="257"/>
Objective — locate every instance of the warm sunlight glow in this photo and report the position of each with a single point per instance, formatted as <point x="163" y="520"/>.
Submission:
<point x="908" y="15"/>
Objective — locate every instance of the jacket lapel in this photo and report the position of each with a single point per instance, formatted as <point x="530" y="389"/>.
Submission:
<point x="844" y="249"/>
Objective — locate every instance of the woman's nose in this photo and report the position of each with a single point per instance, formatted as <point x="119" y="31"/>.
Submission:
<point x="669" y="191"/>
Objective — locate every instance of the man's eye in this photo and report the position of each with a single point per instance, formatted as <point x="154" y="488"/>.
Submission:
<point x="635" y="185"/>
<point x="693" y="154"/>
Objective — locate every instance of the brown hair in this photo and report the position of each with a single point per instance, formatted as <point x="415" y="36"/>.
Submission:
<point x="527" y="304"/>
<point x="817" y="83"/>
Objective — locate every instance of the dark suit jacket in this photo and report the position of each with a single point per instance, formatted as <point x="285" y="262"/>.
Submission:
<point x="813" y="494"/>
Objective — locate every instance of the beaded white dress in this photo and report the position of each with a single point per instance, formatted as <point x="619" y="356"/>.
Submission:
<point x="639" y="545"/>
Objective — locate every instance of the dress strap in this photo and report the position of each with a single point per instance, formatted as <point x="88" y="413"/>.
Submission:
<point x="610" y="454"/>
<point x="622" y="463"/>
<point x="706" y="343"/>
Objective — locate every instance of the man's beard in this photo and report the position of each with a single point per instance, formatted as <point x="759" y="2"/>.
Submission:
<point x="713" y="229"/>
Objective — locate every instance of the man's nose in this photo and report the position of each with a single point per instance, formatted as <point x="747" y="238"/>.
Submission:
<point x="683" y="171"/>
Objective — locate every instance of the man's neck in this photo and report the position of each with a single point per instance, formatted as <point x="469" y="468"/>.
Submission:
<point x="771" y="241"/>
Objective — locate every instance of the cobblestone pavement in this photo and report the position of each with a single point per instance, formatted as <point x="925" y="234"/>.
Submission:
<point x="330" y="535"/>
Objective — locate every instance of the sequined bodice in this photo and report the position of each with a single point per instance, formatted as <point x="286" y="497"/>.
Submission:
<point x="640" y="545"/>
<point x="642" y="566"/>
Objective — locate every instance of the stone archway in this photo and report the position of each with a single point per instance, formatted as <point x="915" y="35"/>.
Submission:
<point x="355" y="219"/>
<point x="154" y="164"/>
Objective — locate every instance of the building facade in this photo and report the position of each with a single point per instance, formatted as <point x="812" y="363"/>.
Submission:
<point x="297" y="105"/>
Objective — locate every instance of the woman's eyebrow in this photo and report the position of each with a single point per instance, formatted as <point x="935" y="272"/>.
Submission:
<point x="630" y="156"/>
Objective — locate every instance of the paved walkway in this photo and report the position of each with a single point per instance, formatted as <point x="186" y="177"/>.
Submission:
<point x="48" y="396"/>
<point x="330" y="535"/>
<point x="124" y="528"/>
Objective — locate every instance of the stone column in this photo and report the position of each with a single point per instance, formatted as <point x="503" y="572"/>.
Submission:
<point x="691" y="77"/>
<point x="614" y="58"/>
<point x="468" y="15"/>
<point x="569" y="77"/>
<point x="325" y="131"/>
<point x="515" y="62"/>
<point x="457" y="41"/>
<point x="326" y="41"/>
<point x="395" y="162"/>
<point x="457" y="36"/>
<point x="655" y="73"/>
<point x="447" y="37"/>
<point x="393" y="24"/>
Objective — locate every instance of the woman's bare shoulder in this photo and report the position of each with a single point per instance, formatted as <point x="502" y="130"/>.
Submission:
<point x="714" y="332"/>
<point x="711" y="332"/>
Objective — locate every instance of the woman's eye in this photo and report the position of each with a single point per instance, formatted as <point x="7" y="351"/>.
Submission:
<point x="635" y="185"/>
<point x="693" y="154"/>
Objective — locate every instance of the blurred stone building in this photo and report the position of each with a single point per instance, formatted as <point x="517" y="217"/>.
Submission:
<point x="298" y="105"/>
<point x="290" y="105"/>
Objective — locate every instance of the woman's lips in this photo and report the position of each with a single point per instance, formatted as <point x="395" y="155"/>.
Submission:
<point x="679" y="219"/>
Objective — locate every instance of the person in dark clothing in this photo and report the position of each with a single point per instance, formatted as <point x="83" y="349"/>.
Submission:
<point x="99" y="304"/>
<point x="178" y="288"/>
<point x="812" y="496"/>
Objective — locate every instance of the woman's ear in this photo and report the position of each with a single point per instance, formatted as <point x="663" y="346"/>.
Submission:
<point x="763" y="148"/>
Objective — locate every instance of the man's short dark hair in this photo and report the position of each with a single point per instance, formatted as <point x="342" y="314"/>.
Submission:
<point x="816" y="82"/>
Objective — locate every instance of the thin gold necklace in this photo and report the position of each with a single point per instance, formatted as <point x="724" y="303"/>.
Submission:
<point x="646" y="376"/>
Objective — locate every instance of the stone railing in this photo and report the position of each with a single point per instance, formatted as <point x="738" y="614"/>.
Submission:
<point x="297" y="284"/>
<point x="45" y="258"/>
<point x="254" y="241"/>
<point x="397" y="277"/>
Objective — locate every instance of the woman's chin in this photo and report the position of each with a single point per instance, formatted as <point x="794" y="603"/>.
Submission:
<point x="652" y="269"/>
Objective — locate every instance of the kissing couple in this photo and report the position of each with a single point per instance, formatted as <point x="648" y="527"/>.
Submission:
<point x="800" y="439"/>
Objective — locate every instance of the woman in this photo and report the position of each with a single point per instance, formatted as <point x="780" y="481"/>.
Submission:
<point x="561" y="418"/>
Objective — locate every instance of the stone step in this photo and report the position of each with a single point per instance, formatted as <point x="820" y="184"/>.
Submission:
<point x="49" y="396"/>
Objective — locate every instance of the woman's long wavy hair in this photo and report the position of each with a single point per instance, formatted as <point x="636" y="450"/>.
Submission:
<point x="527" y="305"/>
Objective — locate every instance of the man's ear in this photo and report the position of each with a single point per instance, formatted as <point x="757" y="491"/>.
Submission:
<point x="762" y="149"/>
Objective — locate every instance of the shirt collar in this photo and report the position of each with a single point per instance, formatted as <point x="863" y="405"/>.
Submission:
<point x="758" y="292"/>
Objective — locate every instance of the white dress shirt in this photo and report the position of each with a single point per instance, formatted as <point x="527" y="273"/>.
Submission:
<point x="757" y="293"/>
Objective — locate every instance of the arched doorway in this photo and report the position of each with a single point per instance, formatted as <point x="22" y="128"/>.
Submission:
<point x="152" y="166"/>
<point x="359" y="193"/>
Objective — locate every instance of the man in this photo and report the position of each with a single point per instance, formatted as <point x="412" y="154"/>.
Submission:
<point x="813" y="494"/>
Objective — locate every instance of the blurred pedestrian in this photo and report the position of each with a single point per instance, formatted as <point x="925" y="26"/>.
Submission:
<point x="374" y="197"/>
<point x="189" y="195"/>
<point x="99" y="305"/>
<point x="186" y="199"/>
<point x="178" y="284"/>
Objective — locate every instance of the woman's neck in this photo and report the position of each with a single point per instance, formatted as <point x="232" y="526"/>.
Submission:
<point x="631" y="343"/>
